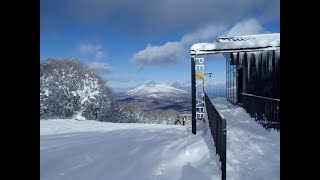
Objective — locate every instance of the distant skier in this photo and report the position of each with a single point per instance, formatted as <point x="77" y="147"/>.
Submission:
<point x="178" y="120"/>
<point x="184" y="118"/>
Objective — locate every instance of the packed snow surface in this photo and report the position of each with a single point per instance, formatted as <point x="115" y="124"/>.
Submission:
<point x="83" y="150"/>
<point x="252" y="151"/>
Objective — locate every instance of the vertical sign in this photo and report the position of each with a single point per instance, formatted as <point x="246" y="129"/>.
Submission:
<point x="197" y="85"/>
<point x="199" y="69"/>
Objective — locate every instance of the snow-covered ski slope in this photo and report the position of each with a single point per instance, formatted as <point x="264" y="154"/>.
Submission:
<point x="71" y="149"/>
<point x="92" y="150"/>
<point x="252" y="151"/>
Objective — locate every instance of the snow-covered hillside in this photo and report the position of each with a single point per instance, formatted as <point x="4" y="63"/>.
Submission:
<point x="83" y="150"/>
<point x="158" y="91"/>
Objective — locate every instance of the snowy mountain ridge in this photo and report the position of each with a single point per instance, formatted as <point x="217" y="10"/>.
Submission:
<point x="158" y="96"/>
<point x="154" y="90"/>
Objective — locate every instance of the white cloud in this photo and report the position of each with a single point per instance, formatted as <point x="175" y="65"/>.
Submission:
<point x="101" y="67"/>
<point x="169" y="53"/>
<point x="205" y="33"/>
<point x="121" y="88"/>
<point x="179" y="84"/>
<point x="100" y="54"/>
<point x="92" y="49"/>
<point x="172" y="52"/>
<point x="121" y="79"/>
<point x="245" y="27"/>
<point x="88" y="48"/>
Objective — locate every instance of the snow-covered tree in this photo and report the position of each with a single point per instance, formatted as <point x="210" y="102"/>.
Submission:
<point x="135" y="112"/>
<point x="69" y="88"/>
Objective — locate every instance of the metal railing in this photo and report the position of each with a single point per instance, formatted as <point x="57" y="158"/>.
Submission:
<point x="266" y="111"/>
<point x="217" y="125"/>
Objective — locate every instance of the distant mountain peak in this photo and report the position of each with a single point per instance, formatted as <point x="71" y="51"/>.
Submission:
<point x="155" y="90"/>
<point x="151" y="83"/>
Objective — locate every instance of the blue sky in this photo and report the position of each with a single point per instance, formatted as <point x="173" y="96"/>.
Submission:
<point x="135" y="42"/>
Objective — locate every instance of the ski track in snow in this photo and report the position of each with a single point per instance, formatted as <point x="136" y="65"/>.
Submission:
<point x="81" y="150"/>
